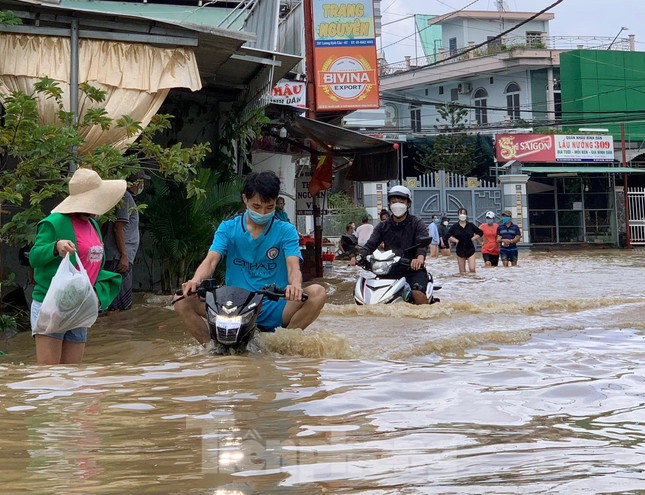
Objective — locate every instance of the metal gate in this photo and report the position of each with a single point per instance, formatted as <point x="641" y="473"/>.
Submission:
<point x="443" y="193"/>
<point x="636" y="197"/>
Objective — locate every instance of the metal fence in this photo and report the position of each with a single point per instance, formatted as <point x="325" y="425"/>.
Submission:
<point x="636" y="200"/>
<point x="443" y="193"/>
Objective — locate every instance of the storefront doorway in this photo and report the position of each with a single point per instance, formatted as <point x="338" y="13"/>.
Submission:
<point x="572" y="208"/>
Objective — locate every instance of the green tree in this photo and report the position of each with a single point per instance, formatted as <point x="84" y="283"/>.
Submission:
<point x="35" y="158"/>
<point x="9" y="18"/>
<point x="181" y="229"/>
<point x="452" y="149"/>
<point x="342" y="211"/>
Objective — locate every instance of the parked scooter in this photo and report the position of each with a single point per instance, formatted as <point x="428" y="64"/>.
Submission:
<point x="381" y="282"/>
<point x="232" y="312"/>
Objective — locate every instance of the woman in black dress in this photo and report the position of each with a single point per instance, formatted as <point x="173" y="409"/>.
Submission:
<point x="462" y="234"/>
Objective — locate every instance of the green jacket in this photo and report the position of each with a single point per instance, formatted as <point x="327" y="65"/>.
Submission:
<point x="51" y="229"/>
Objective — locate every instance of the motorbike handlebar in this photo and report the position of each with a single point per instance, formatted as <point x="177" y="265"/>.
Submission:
<point x="271" y="291"/>
<point x="405" y="262"/>
<point x="274" y="292"/>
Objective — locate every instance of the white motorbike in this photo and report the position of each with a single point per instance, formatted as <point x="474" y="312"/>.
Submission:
<point x="381" y="283"/>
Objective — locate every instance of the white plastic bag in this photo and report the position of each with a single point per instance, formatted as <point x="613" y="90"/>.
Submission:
<point x="70" y="301"/>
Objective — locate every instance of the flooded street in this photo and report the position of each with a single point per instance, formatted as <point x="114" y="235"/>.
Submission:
<point x="521" y="380"/>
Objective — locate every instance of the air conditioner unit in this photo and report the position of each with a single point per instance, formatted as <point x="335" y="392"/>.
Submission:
<point x="464" y="88"/>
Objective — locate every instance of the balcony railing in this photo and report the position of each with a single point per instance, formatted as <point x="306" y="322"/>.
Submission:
<point x="509" y="44"/>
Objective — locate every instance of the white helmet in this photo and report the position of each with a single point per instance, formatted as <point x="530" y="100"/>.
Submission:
<point x="401" y="192"/>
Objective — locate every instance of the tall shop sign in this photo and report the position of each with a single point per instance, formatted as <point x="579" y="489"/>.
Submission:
<point x="345" y="58"/>
<point x="554" y="148"/>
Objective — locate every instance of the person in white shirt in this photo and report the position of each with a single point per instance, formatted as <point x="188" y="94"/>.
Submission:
<point x="364" y="231"/>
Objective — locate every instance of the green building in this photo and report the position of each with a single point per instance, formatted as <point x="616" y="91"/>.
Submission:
<point x="585" y="202"/>
<point x="604" y="88"/>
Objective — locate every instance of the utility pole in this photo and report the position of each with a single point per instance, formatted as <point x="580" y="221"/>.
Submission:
<point x="311" y="114"/>
<point x="628" y="236"/>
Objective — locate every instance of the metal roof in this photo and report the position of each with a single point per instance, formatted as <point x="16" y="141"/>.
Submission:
<point x="225" y="65"/>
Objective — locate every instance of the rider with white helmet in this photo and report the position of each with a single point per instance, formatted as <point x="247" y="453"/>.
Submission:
<point x="400" y="231"/>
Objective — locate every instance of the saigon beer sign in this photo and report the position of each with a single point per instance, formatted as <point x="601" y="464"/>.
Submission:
<point x="345" y="55"/>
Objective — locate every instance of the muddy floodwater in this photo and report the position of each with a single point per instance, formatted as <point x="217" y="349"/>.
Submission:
<point x="521" y="380"/>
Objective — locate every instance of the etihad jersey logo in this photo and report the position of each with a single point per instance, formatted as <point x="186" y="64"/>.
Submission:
<point x="269" y="266"/>
<point x="347" y="78"/>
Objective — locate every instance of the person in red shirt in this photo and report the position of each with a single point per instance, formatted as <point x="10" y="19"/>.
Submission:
<point x="490" y="246"/>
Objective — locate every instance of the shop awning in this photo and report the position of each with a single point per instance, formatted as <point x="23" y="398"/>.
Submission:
<point x="226" y="66"/>
<point x="372" y="159"/>
<point x="583" y="170"/>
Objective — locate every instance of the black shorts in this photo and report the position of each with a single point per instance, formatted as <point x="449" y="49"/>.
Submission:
<point x="417" y="279"/>
<point x="493" y="258"/>
<point x="414" y="278"/>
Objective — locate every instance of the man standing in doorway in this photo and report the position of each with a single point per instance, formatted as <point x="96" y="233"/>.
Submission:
<point x="280" y="214"/>
<point x="508" y="235"/>
<point x="122" y="241"/>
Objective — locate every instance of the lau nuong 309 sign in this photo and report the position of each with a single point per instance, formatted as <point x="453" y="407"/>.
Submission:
<point x="554" y="148"/>
<point x="345" y="55"/>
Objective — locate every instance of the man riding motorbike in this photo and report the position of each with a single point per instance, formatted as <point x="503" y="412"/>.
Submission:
<point x="400" y="231"/>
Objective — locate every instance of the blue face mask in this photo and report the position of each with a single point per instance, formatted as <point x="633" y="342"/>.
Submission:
<point x="437" y="221"/>
<point x="259" y="218"/>
<point x="489" y="221"/>
<point x="505" y="220"/>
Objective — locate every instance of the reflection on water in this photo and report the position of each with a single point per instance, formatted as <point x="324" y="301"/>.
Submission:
<point x="522" y="380"/>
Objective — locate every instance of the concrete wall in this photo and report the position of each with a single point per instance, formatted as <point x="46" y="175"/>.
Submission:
<point x="374" y="198"/>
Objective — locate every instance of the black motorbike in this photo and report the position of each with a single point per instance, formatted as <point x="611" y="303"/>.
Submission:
<point x="232" y="312"/>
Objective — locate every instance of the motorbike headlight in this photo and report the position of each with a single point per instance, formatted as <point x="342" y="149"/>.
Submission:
<point x="381" y="267"/>
<point x="237" y="321"/>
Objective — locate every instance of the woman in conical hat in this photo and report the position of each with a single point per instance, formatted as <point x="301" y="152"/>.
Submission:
<point x="71" y="228"/>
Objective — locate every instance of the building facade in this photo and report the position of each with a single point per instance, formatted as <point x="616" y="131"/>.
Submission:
<point x="511" y="76"/>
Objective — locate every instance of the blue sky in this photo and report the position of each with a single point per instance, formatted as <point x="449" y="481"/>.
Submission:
<point x="572" y="18"/>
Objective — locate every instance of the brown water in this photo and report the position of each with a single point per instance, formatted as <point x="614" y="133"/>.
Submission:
<point x="522" y="380"/>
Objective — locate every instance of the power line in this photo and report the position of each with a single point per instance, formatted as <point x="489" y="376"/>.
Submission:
<point x="492" y="38"/>
<point x="403" y="98"/>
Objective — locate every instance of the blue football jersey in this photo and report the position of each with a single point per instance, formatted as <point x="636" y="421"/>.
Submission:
<point x="255" y="263"/>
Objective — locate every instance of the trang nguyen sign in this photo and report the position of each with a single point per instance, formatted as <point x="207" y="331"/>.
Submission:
<point x="291" y="93"/>
<point x="345" y="55"/>
<point x="554" y="148"/>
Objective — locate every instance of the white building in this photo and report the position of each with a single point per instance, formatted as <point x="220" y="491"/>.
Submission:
<point x="500" y="77"/>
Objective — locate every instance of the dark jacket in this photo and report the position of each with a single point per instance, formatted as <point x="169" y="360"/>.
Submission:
<point x="397" y="236"/>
